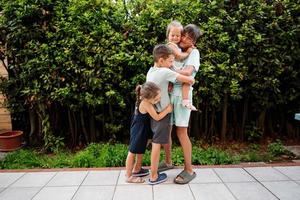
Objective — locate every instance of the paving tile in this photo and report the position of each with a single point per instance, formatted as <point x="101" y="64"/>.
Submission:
<point x="1" y="189"/>
<point x="122" y="178"/>
<point x="293" y="172"/>
<point x="284" y="190"/>
<point x="57" y="193"/>
<point x="250" y="191"/>
<point x="233" y="175"/>
<point x="266" y="174"/>
<point x="94" y="193"/>
<point x="211" y="191"/>
<point x="101" y="178"/>
<point x="34" y="179"/>
<point x="68" y="178"/>
<point x="206" y="176"/>
<point x="172" y="192"/>
<point x="133" y="192"/>
<point x="8" y="178"/>
<point x="18" y="193"/>
<point x="171" y="175"/>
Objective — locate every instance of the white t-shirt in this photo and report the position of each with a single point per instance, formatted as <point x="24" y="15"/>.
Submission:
<point x="161" y="76"/>
<point x="192" y="60"/>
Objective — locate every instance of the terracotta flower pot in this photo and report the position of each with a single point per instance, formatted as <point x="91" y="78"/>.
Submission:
<point x="11" y="140"/>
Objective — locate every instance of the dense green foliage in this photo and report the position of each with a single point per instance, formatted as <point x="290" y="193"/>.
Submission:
<point x="108" y="155"/>
<point x="74" y="64"/>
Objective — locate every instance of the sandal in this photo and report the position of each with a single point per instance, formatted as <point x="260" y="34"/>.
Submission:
<point x="163" y="166"/>
<point x="141" y="173"/>
<point x="133" y="179"/>
<point x="160" y="179"/>
<point x="185" y="176"/>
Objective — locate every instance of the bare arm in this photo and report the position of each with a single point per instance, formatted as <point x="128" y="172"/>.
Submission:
<point x="187" y="71"/>
<point x="185" y="79"/>
<point x="178" y="54"/>
<point x="157" y="116"/>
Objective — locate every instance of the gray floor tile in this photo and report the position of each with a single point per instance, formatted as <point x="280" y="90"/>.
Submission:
<point x="266" y="174"/>
<point x="172" y="192"/>
<point x="284" y="190"/>
<point x="101" y="178"/>
<point x="211" y="191"/>
<point x="56" y="193"/>
<point x="293" y="172"/>
<point x="68" y="178"/>
<point x="94" y="193"/>
<point x="1" y="189"/>
<point x="233" y="175"/>
<point x="8" y="178"/>
<point x="34" y="179"/>
<point x="250" y="191"/>
<point x="133" y="192"/>
<point x="19" y="193"/>
<point x="205" y="176"/>
<point x="171" y="175"/>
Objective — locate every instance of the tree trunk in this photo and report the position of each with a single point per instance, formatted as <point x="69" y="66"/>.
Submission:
<point x="86" y="137"/>
<point x="92" y="128"/>
<point x="244" y="119"/>
<point x="261" y="121"/>
<point x="224" y="118"/>
<point x="71" y="128"/>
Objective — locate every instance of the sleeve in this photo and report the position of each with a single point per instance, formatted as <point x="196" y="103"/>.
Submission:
<point x="193" y="59"/>
<point x="170" y="75"/>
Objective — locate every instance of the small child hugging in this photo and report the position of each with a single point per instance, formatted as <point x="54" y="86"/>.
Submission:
<point x="147" y="94"/>
<point x="174" y="31"/>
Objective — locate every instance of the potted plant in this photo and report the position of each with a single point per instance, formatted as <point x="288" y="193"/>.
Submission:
<point x="11" y="140"/>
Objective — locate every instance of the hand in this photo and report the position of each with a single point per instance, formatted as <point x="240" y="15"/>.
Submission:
<point x="190" y="49"/>
<point x="169" y="108"/>
<point x="192" y="81"/>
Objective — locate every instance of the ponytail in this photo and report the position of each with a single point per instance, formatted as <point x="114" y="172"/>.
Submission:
<point x="138" y="94"/>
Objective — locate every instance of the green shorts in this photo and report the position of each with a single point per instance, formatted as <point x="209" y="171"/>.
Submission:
<point x="181" y="115"/>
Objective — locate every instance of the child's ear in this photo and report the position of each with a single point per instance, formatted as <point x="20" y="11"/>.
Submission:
<point x="160" y="60"/>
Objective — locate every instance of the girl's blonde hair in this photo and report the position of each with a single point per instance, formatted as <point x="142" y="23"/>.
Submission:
<point x="148" y="90"/>
<point x="173" y="23"/>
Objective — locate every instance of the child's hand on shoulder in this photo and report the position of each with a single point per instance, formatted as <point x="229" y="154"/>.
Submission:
<point x="169" y="108"/>
<point x="190" y="49"/>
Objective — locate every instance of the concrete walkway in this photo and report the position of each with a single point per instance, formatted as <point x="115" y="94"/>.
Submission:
<point x="211" y="183"/>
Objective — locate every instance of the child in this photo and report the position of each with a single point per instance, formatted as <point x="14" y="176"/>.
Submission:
<point x="148" y="94"/>
<point x="161" y="74"/>
<point x="174" y="31"/>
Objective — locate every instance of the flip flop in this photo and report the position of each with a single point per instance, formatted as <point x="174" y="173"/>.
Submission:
<point x="163" y="167"/>
<point x="133" y="179"/>
<point x="141" y="173"/>
<point x="185" y="176"/>
<point x="160" y="179"/>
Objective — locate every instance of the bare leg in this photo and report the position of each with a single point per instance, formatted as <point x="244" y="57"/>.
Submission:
<point x="138" y="164"/>
<point x="186" y="102"/>
<point x="155" y="152"/>
<point x="168" y="150"/>
<point x="185" y="91"/>
<point x="186" y="147"/>
<point x="129" y="164"/>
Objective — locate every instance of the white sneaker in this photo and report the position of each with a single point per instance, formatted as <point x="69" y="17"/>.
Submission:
<point x="187" y="104"/>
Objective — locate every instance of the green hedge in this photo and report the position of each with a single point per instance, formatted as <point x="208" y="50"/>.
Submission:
<point x="73" y="65"/>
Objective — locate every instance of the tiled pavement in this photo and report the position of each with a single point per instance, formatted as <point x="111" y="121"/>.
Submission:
<point x="245" y="183"/>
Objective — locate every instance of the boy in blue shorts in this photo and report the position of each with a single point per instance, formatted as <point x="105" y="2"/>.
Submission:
<point x="161" y="75"/>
